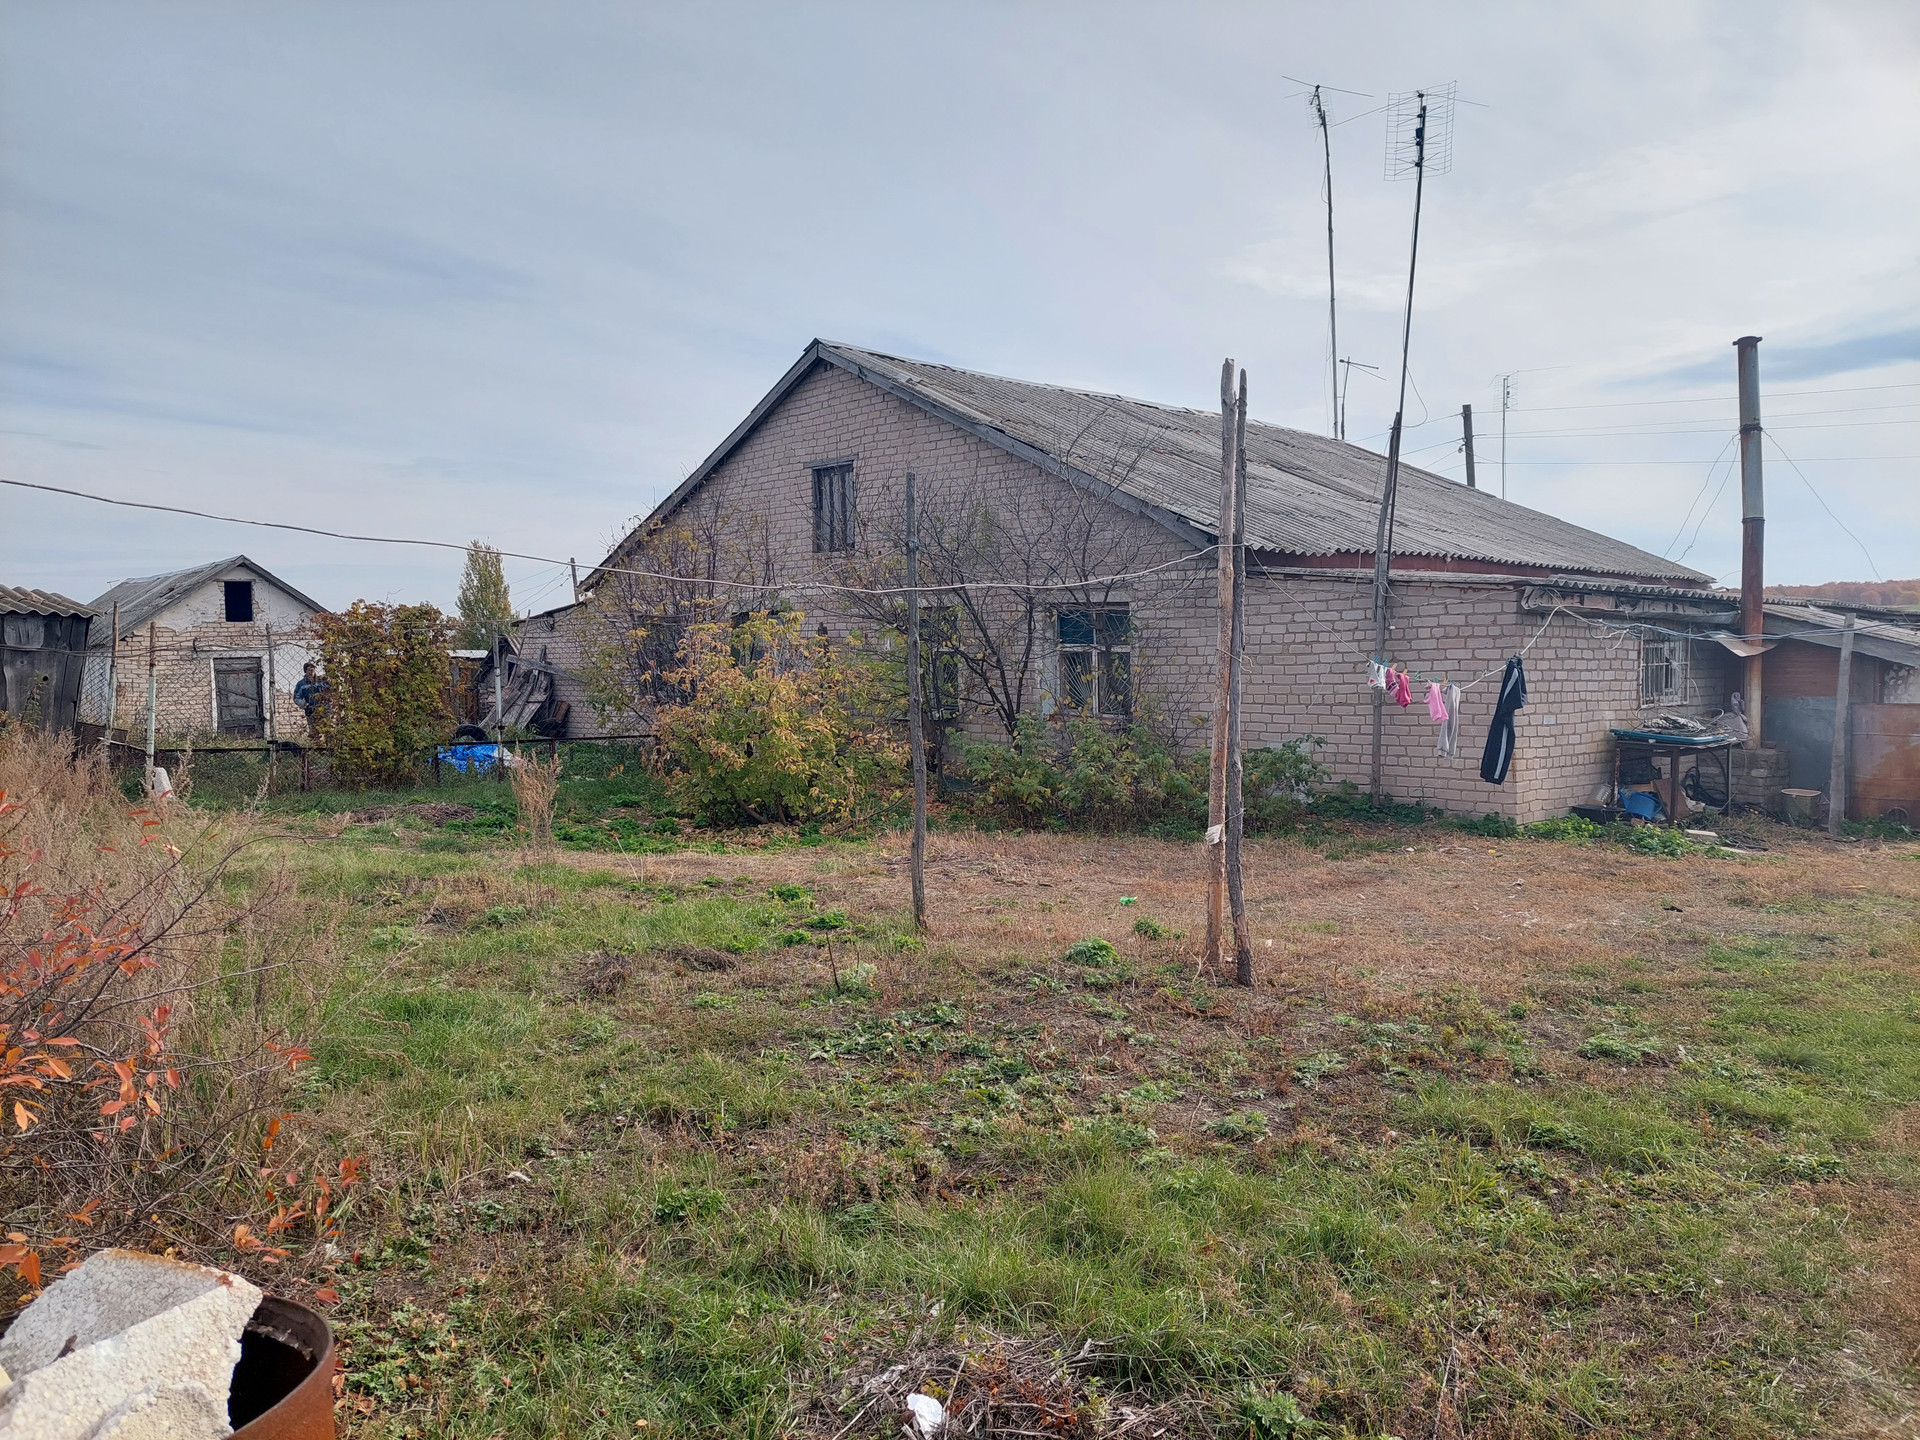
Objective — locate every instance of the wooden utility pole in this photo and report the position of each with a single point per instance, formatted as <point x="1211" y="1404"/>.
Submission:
<point x="1466" y="431"/>
<point x="113" y="687"/>
<point x="1842" y="695"/>
<point x="916" y="730"/>
<point x="1236" y="797"/>
<point x="1223" y="684"/>
<point x="153" y="692"/>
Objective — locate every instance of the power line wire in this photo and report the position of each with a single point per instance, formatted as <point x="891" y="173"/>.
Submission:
<point x="1826" y="507"/>
<point x="798" y="587"/>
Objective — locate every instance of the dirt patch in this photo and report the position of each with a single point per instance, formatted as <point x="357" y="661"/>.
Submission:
<point x="995" y="1385"/>
<point x="432" y="812"/>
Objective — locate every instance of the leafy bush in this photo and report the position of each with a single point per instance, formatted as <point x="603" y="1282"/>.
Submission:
<point x="1077" y="772"/>
<point x="386" y="699"/>
<point x="1269" y="1415"/>
<point x="776" y="726"/>
<point x="1565" y="827"/>
<point x="1095" y="953"/>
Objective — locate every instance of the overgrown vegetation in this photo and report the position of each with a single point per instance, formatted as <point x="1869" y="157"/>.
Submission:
<point x="386" y="702"/>
<point x="1082" y="773"/>
<point x="713" y="1142"/>
<point x="777" y="725"/>
<point x="151" y="1026"/>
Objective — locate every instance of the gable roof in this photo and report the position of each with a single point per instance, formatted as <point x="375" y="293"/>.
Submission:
<point x="141" y="600"/>
<point x="1307" y="495"/>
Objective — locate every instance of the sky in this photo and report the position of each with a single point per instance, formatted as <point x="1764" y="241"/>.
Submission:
<point x="509" y="271"/>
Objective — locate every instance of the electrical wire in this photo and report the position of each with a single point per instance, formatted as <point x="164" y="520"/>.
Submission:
<point x="797" y="587"/>
<point x="1824" y="506"/>
<point x="1696" y="499"/>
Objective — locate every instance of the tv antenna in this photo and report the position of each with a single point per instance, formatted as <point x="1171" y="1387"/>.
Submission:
<point x="1317" y="109"/>
<point x="1419" y="142"/>
<point x="1349" y="365"/>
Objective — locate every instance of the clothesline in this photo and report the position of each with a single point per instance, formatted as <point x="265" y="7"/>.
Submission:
<point x="1484" y="675"/>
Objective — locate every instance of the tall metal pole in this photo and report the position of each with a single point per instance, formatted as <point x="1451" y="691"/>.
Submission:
<point x="1223" y="686"/>
<point x="1506" y="399"/>
<point x="916" y="738"/>
<point x="499" y="708"/>
<point x="1753" y="522"/>
<point x="1333" y="329"/>
<point x="1383" y="539"/>
<point x="1236" y="796"/>
<point x="1466" y="430"/>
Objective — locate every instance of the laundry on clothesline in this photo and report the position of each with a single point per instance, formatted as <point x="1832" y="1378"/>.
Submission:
<point x="1436" y="703"/>
<point x="1402" y="692"/>
<point x="1447" y="738"/>
<point x="1376" y="675"/>
<point x="1499" y="752"/>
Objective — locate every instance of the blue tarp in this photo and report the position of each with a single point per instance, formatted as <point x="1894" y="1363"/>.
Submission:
<point x="477" y="758"/>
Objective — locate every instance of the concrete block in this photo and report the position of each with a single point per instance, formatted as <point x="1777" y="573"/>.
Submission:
<point x="149" y="1349"/>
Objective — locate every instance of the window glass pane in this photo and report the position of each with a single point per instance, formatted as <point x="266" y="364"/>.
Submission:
<point x="1076" y="627"/>
<point x="1076" y="678"/>
<point x="1116" y="684"/>
<point x="1115" y="625"/>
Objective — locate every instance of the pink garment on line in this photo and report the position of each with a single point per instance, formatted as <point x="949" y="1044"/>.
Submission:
<point x="1402" y="694"/>
<point x="1436" y="703"/>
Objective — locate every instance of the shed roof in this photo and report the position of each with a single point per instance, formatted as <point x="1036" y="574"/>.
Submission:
<point x="141" y="600"/>
<point x="1818" y="625"/>
<point x="17" y="600"/>
<point x="1306" y="494"/>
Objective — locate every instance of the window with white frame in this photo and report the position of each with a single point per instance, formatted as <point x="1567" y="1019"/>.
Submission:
<point x="1096" y="660"/>
<point x="1663" y="670"/>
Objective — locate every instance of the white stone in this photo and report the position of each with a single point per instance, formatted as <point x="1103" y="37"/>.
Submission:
<point x="151" y="1344"/>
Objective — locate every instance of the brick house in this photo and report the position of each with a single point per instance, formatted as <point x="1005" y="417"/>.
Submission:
<point x="1082" y="485"/>
<point x="229" y="642"/>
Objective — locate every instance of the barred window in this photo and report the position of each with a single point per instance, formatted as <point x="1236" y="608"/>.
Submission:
<point x="1663" y="670"/>
<point x="1096" y="660"/>
<point x="832" y="508"/>
<point x="940" y="662"/>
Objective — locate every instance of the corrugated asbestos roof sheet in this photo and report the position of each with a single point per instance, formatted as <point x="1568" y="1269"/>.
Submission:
<point x="141" y="600"/>
<point x="15" y="600"/>
<point x="1306" y="494"/>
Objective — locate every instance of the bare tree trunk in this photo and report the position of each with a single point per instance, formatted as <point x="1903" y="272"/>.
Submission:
<point x="916" y="739"/>
<point x="1236" y="797"/>
<point x="1222" y="700"/>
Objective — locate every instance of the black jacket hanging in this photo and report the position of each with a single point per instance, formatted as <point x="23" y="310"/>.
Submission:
<point x="1499" y="752"/>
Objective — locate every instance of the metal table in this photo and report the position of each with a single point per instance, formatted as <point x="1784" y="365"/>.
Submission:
<point x="1656" y="744"/>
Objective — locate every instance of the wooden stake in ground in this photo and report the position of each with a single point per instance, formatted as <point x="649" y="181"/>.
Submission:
<point x="1223" y="686"/>
<point x="1236" y="797"/>
<point x="1837" y="773"/>
<point x="153" y="692"/>
<point x="916" y="738"/>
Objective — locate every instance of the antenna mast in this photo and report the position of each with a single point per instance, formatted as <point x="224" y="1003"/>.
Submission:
<point x="1333" y="328"/>
<point x="1419" y="139"/>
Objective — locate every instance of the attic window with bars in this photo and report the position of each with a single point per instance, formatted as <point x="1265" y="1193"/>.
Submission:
<point x="832" y="507"/>
<point x="1096" y="660"/>
<point x="1663" y="670"/>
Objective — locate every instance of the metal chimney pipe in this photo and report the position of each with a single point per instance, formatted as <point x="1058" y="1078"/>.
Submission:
<point x="1753" y="522"/>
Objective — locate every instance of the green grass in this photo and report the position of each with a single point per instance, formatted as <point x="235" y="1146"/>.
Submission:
<point x="737" y="1182"/>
